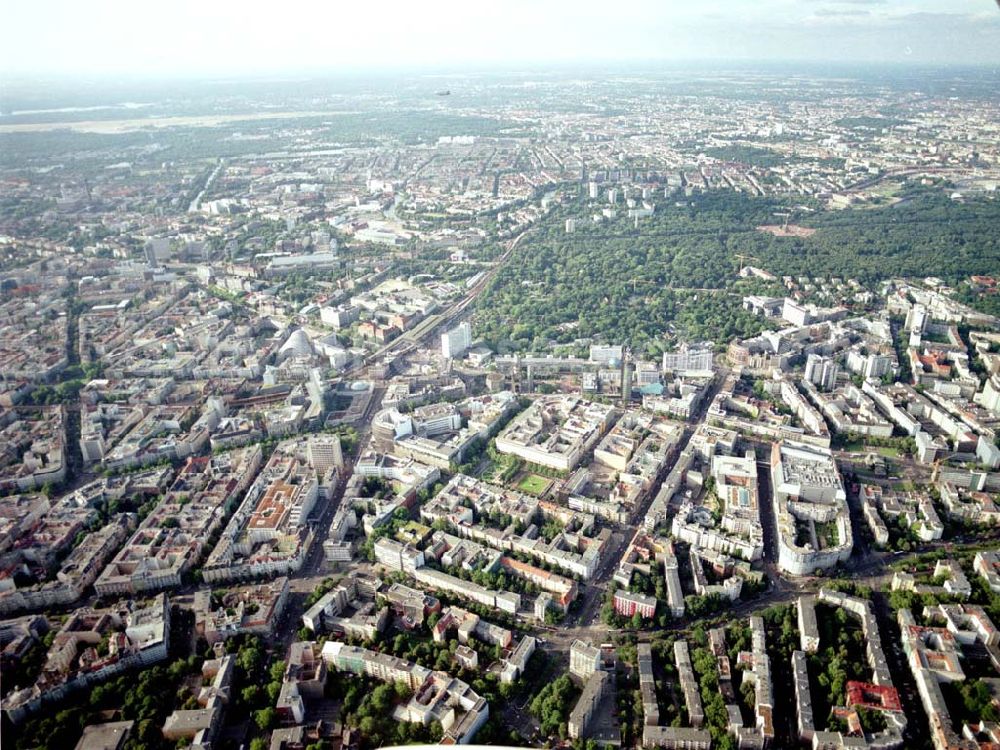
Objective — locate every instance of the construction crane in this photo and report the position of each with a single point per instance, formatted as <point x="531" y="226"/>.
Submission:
<point x="743" y="260"/>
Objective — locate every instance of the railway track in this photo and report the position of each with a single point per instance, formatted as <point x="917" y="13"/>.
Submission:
<point x="410" y="340"/>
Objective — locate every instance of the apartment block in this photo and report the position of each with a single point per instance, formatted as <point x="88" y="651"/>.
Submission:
<point x="584" y="659"/>
<point x="556" y="431"/>
<point x="628" y="604"/>
<point x="269" y="534"/>
<point x="171" y="538"/>
<point x="810" y="508"/>
<point x="593" y="691"/>
<point x="138" y="636"/>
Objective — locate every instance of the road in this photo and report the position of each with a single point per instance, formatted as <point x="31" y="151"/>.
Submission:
<point x="917" y="729"/>
<point x="314" y="569"/>
<point x="71" y="414"/>
<point x="195" y="204"/>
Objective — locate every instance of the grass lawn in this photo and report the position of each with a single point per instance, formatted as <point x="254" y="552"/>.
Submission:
<point x="887" y="452"/>
<point x="502" y="470"/>
<point x="533" y="484"/>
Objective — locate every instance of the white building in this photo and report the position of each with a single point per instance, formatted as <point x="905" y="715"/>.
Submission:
<point x="917" y="319"/>
<point x="456" y="341"/>
<point x="584" y="659"/>
<point x="810" y="508"/>
<point x="605" y="354"/>
<point x="339" y="317"/>
<point x="871" y="365"/>
<point x="808" y="627"/>
<point x="324" y="453"/>
<point x="821" y="371"/>
<point x="698" y="359"/>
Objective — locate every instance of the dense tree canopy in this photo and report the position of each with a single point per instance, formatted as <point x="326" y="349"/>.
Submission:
<point x="676" y="274"/>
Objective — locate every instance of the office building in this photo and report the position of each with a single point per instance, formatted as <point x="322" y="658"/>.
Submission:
<point x="456" y="341"/>
<point x="324" y="453"/>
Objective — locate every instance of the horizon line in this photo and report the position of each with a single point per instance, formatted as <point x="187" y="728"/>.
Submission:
<point x="471" y="68"/>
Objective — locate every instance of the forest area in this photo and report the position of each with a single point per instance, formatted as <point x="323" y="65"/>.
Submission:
<point x="675" y="277"/>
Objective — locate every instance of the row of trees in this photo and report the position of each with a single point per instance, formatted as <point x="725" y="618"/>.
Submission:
<point x="552" y="706"/>
<point x="368" y="707"/>
<point x="146" y="697"/>
<point x="497" y="581"/>
<point x="713" y="704"/>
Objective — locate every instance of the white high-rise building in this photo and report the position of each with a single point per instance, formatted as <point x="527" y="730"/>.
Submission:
<point x="821" y="371"/>
<point x="456" y="341"/>
<point x="989" y="397"/>
<point x="592" y="190"/>
<point x="877" y="366"/>
<point x="916" y="319"/>
<point x="339" y="317"/>
<point x="325" y="454"/>
<point x="868" y="365"/>
<point x="584" y="659"/>
<point x="796" y="314"/>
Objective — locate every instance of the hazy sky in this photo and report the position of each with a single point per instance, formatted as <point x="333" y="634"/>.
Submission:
<point x="209" y="37"/>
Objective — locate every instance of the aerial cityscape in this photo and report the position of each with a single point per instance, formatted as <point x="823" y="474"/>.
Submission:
<point x="639" y="405"/>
